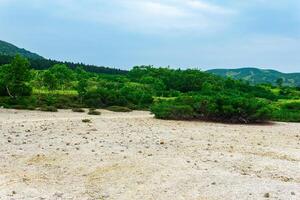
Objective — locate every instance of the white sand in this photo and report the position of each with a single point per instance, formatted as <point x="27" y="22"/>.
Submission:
<point x="134" y="156"/>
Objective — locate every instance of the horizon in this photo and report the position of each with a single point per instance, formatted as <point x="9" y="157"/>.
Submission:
<point x="180" y="34"/>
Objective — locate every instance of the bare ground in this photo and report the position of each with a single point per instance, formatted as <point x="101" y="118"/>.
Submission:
<point x="134" y="156"/>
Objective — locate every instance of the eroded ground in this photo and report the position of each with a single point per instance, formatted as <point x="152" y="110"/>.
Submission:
<point x="134" y="156"/>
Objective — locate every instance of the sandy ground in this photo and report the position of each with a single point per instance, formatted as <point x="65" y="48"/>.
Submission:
<point x="134" y="156"/>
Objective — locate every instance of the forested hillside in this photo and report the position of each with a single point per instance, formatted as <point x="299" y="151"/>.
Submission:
<point x="8" y="51"/>
<point x="257" y="76"/>
<point x="11" y="50"/>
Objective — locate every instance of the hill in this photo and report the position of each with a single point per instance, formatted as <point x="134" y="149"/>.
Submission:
<point x="255" y="76"/>
<point x="11" y="50"/>
<point x="8" y="51"/>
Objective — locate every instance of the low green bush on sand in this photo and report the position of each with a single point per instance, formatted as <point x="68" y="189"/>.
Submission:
<point x="118" y="109"/>
<point x="49" y="109"/>
<point x="285" y="115"/>
<point x="94" y="112"/>
<point x="221" y="108"/>
<point x="80" y="110"/>
<point x="86" y="121"/>
<point x="168" y="110"/>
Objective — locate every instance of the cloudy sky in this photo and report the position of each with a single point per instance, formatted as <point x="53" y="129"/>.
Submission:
<point x="177" y="33"/>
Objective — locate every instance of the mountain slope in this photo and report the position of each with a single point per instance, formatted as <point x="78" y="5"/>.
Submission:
<point x="8" y="51"/>
<point x="11" y="50"/>
<point x="255" y="76"/>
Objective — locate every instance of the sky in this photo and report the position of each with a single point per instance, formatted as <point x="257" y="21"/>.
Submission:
<point x="199" y="34"/>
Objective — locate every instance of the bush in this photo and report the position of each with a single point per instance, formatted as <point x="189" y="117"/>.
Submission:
<point x="80" y="110"/>
<point x="19" y="107"/>
<point x="167" y="110"/>
<point x="285" y="115"/>
<point x="292" y="105"/>
<point x="86" y="121"/>
<point x="21" y="103"/>
<point x="61" y="101"/>
<point x="118" y="109"/>
<point x="222" y="108"/>
<point x="48" y="109"/>
<point x="94" y="112"/>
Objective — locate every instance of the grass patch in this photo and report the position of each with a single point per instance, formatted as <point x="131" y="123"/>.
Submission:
<point x="55" y="92"/>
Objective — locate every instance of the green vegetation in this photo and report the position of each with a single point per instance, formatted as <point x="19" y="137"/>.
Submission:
<point x="79" y="110"/>
<point x="93" y="111"/>
<point x="260" y="76"/>
<point x="118" y="109"/>
<point x="11" y="50"/>
<point x="86" y="121"/>
<point x="170" y="94"/>
<point x="48" y="109"/>
<point x="220" y="107"/>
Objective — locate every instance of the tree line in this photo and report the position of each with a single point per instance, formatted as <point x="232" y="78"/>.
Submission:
<point x="169" y="93"/>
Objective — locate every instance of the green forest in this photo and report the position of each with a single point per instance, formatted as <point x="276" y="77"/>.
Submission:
<point x="173" y="94"/>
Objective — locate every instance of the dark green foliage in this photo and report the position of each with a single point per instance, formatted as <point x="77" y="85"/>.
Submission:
<point x="118" y="109"/>
<point x="43" y="64"/>
<point x="86" y="121"/>
<point x="8" y="51"/>
<point x="49" y="109"/>
<point x="169" y="110"/>
<point x="49" y="80"/>
<point x="223" y="108"/>
<point x="287" y="112"/>
<point x="23" y="107"/>
<point x="94" y="112"/>
<point x="180" y="94"/>
<point x="26" y="103"/>
<point x="286" y="115"/>
<point x="279" y="82"/>
<point x="14" y="77"/>
<point x="292" y="105"/>
<point x="11" y="50"/>
<point x="80" y="110"/>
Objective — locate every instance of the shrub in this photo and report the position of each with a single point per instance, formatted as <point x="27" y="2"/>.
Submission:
<point x="292" y="105"/>
<point x="80" y="110"/>
<point x="167" y="110"/>
<point x="19" y="107"/>
<point x="285" y="115"/>
<point x="223" y="108"/>
<point x="61" y="101"/>
<point x="31" y="107"/>
<point x="119" y="109"/>
<point x="86" y="121"/>
<point x="49" y="109"/>
<point x="94" y="112"/>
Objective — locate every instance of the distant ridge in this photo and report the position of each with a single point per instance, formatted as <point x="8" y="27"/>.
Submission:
<point x="256" y="76"/>
<point x="8" y="51"/>
<point x="11" y="50"/>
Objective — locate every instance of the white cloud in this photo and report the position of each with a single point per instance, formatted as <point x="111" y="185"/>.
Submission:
<point x="146" y="16"/>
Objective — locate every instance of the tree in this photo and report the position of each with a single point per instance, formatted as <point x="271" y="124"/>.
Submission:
<point x="15" y="76"/>
<point x="63" y="75"/>
<point x="50" y="80"/>
<point x="279" y="82"/>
